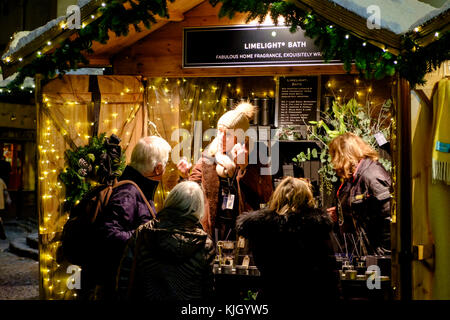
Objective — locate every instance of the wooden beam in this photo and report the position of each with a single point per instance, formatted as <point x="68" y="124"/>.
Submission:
<point x="165" y="67"/>
<point x="116" y="44"/>
<point x="40" y="208"/>
<point x="426" y="33"/>
<point x="352" y="22"/>
<point x="424" y="98"/>
<point x="96" y="62"/>
<point x="404" y="197"/>
<point x="175" y="15"/>
<point x="95" y="105"/>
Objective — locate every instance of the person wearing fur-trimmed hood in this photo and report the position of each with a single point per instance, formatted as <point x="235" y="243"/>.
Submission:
<point x="231" y="185"/>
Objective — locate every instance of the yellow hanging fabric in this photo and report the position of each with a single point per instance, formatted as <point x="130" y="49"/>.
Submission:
<point x="441" y="133"/>
<point x="439" y="192"/>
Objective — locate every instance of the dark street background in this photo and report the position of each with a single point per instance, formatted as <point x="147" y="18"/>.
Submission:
<point x="19" y="271"/>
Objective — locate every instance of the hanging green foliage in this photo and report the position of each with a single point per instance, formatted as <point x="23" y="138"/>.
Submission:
<point x="341" y="118"/>
<point x="413" y="63"/>
<point x="336" y="44"/>
<point x="99" y="162"/>
<point x="70" y="53"/>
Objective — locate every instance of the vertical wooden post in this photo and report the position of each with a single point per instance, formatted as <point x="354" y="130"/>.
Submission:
<point x="94" y="108"/>
<point x="405" y="193"/>
<point x="401" y="209"/>
<point x="38" y="100"/>
<point x="145" y="109"/>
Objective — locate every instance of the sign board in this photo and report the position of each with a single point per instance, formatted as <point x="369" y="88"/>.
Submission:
<point x="248" y="46"/>
<point x="297" y="101"/>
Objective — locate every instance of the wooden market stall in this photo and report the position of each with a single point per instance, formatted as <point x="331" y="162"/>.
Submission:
<point x="148" y="81"/>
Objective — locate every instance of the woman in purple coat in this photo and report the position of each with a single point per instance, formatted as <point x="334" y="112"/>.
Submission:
<point x="125" y="212"/>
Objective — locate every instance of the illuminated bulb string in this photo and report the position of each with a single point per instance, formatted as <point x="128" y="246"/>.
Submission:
<point x="51" y="190"/>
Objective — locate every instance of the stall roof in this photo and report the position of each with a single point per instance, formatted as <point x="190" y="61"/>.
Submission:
<point x="397" y="18"/>
<point x="21" y="49"/>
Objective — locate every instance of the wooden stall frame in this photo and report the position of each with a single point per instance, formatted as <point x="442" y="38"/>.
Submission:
<point x="401" y="218"/>
<point x="38" y="99"/>
<point x="130" y="61"/>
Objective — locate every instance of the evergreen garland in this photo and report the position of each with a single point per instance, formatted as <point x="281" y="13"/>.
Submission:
<point x="99" y="162"/>
<point x="412" y="63"/>
<point x="115" y="17"/>
<point x="339" y="119"/>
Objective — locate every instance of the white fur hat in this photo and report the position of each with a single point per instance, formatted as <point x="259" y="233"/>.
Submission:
<point x="238" y="118"/>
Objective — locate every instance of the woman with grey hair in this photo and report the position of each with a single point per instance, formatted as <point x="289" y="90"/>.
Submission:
<point x="171" y="257"/>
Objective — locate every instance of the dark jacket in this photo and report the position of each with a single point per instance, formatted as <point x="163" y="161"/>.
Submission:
<point x="167" y="259"/>
<point x="366" y="199"/>
<point x="125" y="212"/>
<point x="292" y="252"/>
<point x="254" y="189"/>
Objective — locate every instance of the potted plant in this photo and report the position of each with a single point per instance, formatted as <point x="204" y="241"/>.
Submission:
<point x="362" y="120"/>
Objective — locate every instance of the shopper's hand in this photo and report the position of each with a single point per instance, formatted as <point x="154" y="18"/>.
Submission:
<point x="183" y="168"/>
<point x="332" y="213"/>
<point x="240" y="155"/>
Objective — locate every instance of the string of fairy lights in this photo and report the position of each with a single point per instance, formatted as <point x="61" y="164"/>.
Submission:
<point x="50" y="191"/>
<point x="57" y="283"/>
<point x="49" y="45"/>
<point x="114" y="118"/>
<point x="171" y="104"/>
<point x="318" y="26"/>
<point x="360" y="91"/>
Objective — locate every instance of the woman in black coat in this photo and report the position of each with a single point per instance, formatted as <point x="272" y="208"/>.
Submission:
<point x="170" y="257"/>
<point x="291" y="246"/>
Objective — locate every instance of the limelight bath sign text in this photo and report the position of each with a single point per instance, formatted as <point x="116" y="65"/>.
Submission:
<point x="248" y="46"/>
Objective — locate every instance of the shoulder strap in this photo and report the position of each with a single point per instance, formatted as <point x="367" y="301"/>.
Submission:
<point x="121" y="183"/>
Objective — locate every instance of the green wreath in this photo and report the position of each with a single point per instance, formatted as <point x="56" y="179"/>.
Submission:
<point x="99" y="162"/>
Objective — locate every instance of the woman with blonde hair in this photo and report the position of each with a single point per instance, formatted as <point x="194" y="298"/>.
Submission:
<point x="364" y="195"/>
<point x="290" y="243"/>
